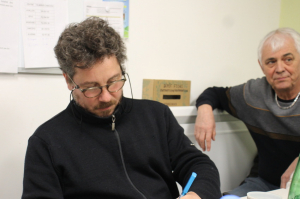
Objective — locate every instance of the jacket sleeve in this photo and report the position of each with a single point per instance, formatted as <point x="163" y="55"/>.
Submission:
<point x="40" y="178"/>
<point x="186" y="158"/>
<point x="217" y="97"/>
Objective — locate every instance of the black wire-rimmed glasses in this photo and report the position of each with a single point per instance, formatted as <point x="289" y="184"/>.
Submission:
<point x="91" y="92"/>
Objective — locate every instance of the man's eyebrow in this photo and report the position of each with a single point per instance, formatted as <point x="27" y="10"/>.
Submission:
<point x="287" y="54"/>
<point x="88" y="83"/>
<point x="113" y="77"/>
<point x="270" y="59"/>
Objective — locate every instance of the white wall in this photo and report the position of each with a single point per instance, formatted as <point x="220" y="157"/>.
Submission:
<point x="233" y="150"/>
<point x="208" y="42"/>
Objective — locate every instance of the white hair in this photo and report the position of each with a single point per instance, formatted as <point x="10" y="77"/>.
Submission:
<point x="276" y="40"/>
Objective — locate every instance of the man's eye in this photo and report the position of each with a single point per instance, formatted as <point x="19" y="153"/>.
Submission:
<point x="270" y="63"/>
<point x="110" y="82"/>
<point x="91" y="88"/>
<point x="288" y="60"/>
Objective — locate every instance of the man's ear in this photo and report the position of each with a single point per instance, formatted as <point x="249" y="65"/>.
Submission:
<point x="69" y="84"/>
<point x="261" y="66"/>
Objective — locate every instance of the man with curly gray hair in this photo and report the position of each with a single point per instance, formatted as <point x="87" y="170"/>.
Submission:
<point x="104" y="145"/>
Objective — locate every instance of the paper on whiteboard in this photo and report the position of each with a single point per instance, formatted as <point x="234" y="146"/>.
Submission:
<point x="110" y="11"/>
<point x="42" y="23"/>
<point x="125" y="15"/>
<point x="9" y="36"/>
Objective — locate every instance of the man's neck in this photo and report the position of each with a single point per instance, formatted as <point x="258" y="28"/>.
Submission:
<point x="287" y="95"/>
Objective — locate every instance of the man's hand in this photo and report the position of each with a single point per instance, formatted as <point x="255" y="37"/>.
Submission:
<point x="287" y="174"/>
<point x="190" y="195"/>
<point x="205" y="126"/>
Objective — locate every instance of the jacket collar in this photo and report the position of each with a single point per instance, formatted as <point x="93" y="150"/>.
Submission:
<point x="82" y="115"/>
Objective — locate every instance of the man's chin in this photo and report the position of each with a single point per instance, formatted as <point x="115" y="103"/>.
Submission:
<point x="105" y="113"/>
<point x="282" y="88"/>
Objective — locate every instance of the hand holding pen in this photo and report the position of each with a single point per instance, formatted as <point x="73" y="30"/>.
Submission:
<point x="188" y="185"/>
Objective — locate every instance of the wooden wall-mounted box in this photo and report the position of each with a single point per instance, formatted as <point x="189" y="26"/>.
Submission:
<point x="169" y="92"/>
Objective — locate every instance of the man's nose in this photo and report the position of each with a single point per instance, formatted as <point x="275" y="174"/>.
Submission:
<point x="280" y="67"/>
<point x="105" y="96"/>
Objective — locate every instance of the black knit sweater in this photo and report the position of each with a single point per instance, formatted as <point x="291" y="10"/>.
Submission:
<point x="76" y="155"/>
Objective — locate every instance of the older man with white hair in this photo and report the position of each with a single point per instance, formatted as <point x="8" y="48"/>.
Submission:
<point x="269" y="107"/>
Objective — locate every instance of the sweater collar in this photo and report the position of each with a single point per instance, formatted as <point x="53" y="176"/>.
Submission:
<point x="82" y="114"/>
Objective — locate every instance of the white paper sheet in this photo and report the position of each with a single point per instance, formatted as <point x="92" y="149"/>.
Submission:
<point x="42" y="23"/>
<point x="9" y="36"/>
<point x="110" y="11"/>
<point x="125" y="15"/>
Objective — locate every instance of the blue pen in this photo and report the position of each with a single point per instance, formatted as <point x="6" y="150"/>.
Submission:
<point x="188" y="185"/>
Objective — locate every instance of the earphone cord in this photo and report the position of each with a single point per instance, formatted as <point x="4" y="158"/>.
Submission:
<point x="131" y="96"/>
<point x="78" y="121"/>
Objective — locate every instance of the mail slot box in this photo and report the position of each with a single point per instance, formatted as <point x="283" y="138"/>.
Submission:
<point x="169" y="92"/>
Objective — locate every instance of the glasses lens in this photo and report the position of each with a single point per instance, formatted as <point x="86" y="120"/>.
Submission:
<point x="92" y="92"/>
<point x="116" y="86"/>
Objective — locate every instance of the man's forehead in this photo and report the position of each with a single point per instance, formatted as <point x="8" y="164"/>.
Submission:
<point x="286" y="47"/>
<point x="89" y="75"/>
<point x="101" y="65"/>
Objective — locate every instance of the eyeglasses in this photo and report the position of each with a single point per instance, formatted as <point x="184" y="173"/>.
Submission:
<point x="91" y="92"/>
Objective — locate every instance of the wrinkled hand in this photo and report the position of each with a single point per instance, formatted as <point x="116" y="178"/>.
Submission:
<point x="205" y="127"/>
<point x="190" y="195"/>
<point x="287" y="174"/>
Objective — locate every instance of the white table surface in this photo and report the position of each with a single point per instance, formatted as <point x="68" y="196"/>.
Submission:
<point x="281" y="192"/>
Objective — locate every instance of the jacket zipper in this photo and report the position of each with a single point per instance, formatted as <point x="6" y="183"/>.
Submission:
<point x="113" y="118"/>
<point x="122" y="158"/>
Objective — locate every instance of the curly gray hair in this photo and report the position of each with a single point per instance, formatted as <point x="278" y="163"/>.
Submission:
<point x="82" y="44"/>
